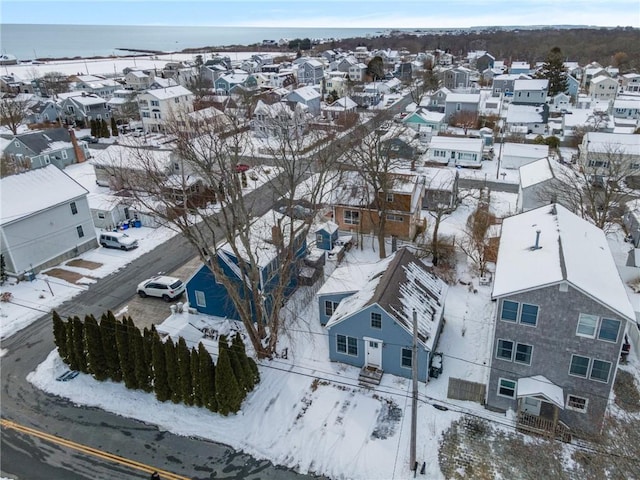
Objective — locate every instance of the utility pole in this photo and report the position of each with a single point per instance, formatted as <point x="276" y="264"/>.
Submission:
<point x="413" y="465"/>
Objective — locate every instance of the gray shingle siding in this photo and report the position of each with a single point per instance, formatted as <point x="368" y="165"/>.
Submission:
<point x="554" y="340"/>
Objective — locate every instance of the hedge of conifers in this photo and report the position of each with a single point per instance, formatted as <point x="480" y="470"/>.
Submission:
<point x="117" y="350"/>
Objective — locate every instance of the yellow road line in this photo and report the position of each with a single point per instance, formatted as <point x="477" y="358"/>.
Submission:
<point x="90" y="451"/>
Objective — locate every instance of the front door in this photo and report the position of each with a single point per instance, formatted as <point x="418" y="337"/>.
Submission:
<point x="531" y="406"/>
<point x="374" y="352"/>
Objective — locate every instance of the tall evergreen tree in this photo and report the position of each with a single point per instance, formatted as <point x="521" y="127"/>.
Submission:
<point x="147" y="337"/>
<point x="236" y="366"/>
<point x="195" y="377"/>
<point x="79" y="345"/>
<point x="60" y="336"/>
<point x="3" y="269"/>
<point x="185" y="380"/>
<point x="95" y="351"/>
<point x="94" y="128"/>
<point x="172" y="370"/>
<point x="141" y="363"/>
<point x="114" y="126"/>
<point x="207" y="372"/>
<point x="554" y="70"/>
<point x="127" y="365"/>
<point x="108" y="334"/>
<point x="228" y="393"/>
<point x="72" y="360"/>
<point x="104" y="129"/>
<point x="238" y="347"/>
<point x="160" y="383"/>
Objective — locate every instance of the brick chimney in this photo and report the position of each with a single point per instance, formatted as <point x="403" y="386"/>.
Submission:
<point x="76" y="147"/>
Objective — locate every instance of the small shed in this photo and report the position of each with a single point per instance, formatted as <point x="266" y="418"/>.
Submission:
<point x="326" y="235"/>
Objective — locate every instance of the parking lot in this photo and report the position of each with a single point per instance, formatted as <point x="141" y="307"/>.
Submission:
<point x="153" y="311"/>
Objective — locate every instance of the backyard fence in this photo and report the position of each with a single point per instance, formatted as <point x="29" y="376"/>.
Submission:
<point x="465" y="390"/>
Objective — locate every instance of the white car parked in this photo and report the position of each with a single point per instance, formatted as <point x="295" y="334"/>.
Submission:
<point x="167" y="288"/>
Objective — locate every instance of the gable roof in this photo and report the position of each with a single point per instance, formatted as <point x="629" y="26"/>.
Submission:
<point x="572" y="250"/>
<point x="168" y="92"/>
<point x="30" y="192"/>
<point x="401" y="285"/>
<point x="41" y="141"/>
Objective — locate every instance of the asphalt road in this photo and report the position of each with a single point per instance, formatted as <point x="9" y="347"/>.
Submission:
<point x="30" y="458"/>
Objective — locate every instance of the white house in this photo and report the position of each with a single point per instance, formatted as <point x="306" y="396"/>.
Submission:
<point x="524" y="119"/>
<point x="530" y="91"/>
<point x="45" y="218"/>
<point x="454" y="151"/>
<point x="357" y="72"/>
<point x="603" y="88"/>
<point x="157" y="106"/>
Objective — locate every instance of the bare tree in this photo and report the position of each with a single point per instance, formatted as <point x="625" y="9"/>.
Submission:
<point x="464" y="119"/>
<point x="475" y="240"/>
<point x="595" y="190"/>
<point x="215" y="155"/>
<point x="376" y="158"/>
<point x="13" y="112"/>
<point x="53" y="83"/>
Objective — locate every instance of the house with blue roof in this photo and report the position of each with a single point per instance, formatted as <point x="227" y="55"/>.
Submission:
<point x="369" y="310"/>
<point x="267" y="248"/>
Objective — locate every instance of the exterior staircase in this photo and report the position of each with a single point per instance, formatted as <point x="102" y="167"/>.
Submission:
<point x="369" y="377"/>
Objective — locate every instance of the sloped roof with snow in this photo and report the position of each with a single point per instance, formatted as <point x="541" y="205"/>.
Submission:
<point x="30" y="192"/>
<point x="168" y="92"/>
<point x="456" y="143"/>
<point x="535" y="172"/>
<point x="400" y="284"/>
<point x="540" y="386"/>
<point x="572" y="250"/>
<point x="601" y="142"/>
<point x="524" y="114"/>
<point x="120" y="156"/>
<point x="527" y="150"/>
<point x="531" y="84"/>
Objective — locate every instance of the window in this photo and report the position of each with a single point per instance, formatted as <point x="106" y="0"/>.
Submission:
<point x="395" y="218"/>
<point x="406" y="360"/>
<point x="390" y="197"/>
<point x="176" y="100"/>
<point x="587" y="325"/>
<point x="74" y="208"/>
<point x="351" y="217"/>
<point x="330" y="307"/>
<point x="80" y="231"/>
<point x="578" y="404"/>
<point x="64" y="154"/>
<point x="509" y="311"/>
<point x="376" y="320"/>
<point x="523" y="353"/>
<point x="146" y="114"/>
<point x="201" y="301"/>
<point x="155" y="103"/>
<point x="579" y="366"/>
<point x="439" y="153"/>
<point x="348" y="345"/>
<point x="505" y="349"/>
<point x="609" y="330"/>
<point x="600" y="370"/>
<point x="529" y="314"/>
<point x="101" y="215"/>
<point x="506" y="388"/>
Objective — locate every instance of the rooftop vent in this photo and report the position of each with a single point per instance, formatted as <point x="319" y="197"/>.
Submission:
<point x="537" y="244"/>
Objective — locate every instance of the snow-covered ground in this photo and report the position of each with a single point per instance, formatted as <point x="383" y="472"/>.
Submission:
<point x="318" y="418"/>
<point x="31" y="299"/>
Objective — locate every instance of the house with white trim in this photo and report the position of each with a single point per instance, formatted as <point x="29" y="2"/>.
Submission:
<point x="455" y="151"/>
<point x="562" y="311"/>
<point x="158" y="105"/>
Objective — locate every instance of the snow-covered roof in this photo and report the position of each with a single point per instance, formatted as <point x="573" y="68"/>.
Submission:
<point x="456" y="143"/>
<point x="439" y="178"/>
<point x="531" y="84"/>
<point x="353" y="277"/>
<point x="601" y="142"/>
<point x="27" y="193"/>
<point x="463" y="97"/>
<point x="307" y="93"/>
<point x="329" y="227"/>
<point x="260" y="234"/>
<point x="120" y="156"/>
<point x="427" y="116"/>
<point x="540" y="386"/>
<point x="168" y="92"/>
<point x="535" y="172"/>
<point x="400" y="285"/>
<point x="87" y="99"/>
<point x="344" y="103"/>
<point x="571" y="250"/>
<point x="103" y="201"/>
<point x="626" y="103"/>
<point x="524" y="114"/>
<point x="601" y="79"/>
<point x="526" y="150"/>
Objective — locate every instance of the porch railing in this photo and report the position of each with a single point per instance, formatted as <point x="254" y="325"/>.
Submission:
<point x="534" y="424"/>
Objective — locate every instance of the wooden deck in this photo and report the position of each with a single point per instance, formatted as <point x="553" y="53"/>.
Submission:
<point x="369" y="376"/>
<point x="528" y="423"/>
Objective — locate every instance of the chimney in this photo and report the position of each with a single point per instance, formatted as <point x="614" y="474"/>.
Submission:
<point x="80" y="158"/>
<point x="537" y="245"/>
<point x="276" y="236"/>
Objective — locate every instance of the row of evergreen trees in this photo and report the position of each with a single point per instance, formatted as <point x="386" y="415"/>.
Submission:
<point x="100" y="129"/>
<point x="117" y="350"/>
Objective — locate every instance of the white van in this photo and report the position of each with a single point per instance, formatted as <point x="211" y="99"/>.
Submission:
<point x="118" y="240"/>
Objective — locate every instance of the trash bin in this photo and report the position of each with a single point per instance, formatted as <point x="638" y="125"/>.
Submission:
<point x="137" y="224"/>
<point x="125" y="225"/>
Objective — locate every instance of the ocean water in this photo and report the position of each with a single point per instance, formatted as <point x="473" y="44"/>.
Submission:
<point x="56" y="41"/>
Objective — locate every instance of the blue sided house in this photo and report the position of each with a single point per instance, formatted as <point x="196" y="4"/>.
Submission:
<point x="369" y="315"/>
<point x="326" y="235"/>
<point x="209" y="296"/>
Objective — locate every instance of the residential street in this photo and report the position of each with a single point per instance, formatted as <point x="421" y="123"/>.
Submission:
<point x="28" y="457"/>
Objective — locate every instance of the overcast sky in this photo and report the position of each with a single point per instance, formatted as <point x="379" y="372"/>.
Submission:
<point x="326" y="13"/>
